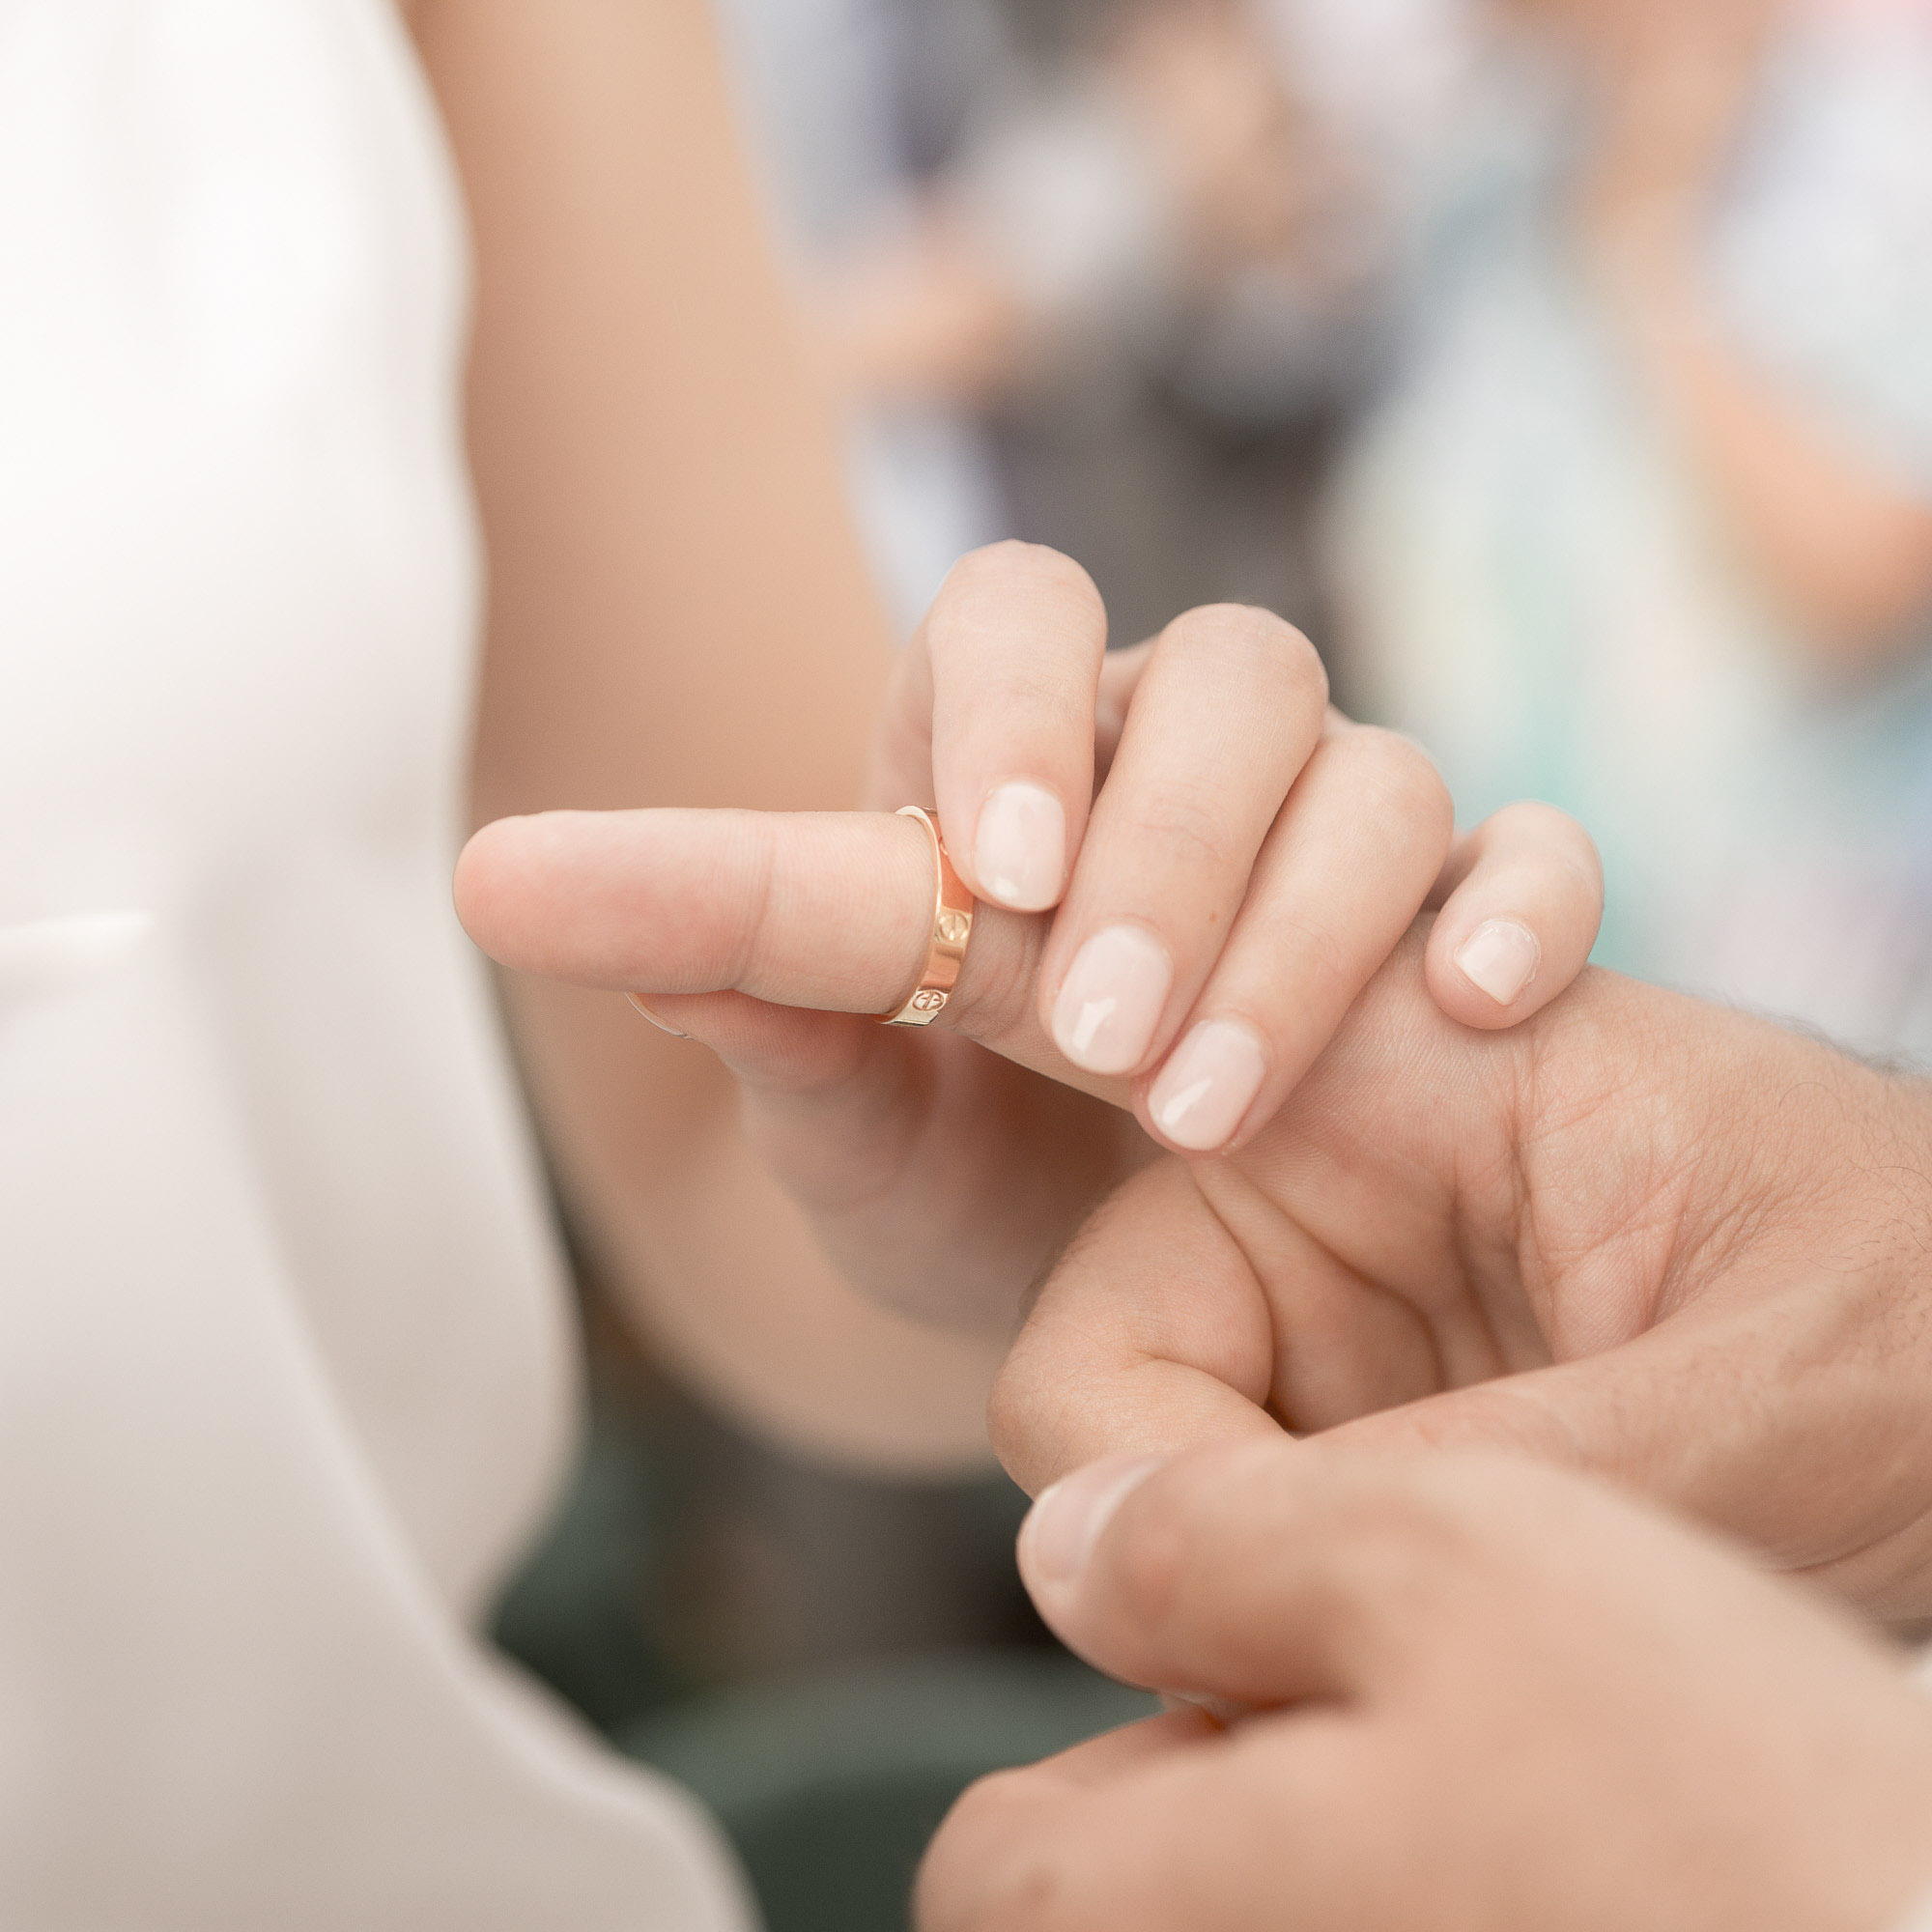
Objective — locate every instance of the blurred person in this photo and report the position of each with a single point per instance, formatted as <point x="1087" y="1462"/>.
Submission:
<point x="288" y="1371"/>
<point x="1644" y="524"/>
<point x="1128" y="274"/>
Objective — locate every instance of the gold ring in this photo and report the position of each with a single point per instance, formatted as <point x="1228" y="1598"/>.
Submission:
<point x="952" y="927"/>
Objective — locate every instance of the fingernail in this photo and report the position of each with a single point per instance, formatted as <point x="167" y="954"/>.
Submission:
<point x="1112" y="1000"/>
<point x="1061" y="1528"/>
<point x="1500" y="958"/>
<point x="663" y="1026"/>
<point x="1020" y="851"/>
<point x="1208" y="1086"/>
<point x="1222" y="1712"/>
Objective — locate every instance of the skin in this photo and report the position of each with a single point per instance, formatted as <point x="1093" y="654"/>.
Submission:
<point x="1470" y="1693"/>
<point x="1643" y="1236"/>
<point x="1844" y="548"/>
<point x="679" y="617"/>
<point x="661" y="493"/>
<point x="1272" y="853"/>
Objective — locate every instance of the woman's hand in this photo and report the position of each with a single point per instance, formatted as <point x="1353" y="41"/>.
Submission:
<point x="1188" y="869"/>
<point x="1480" y="1693"/>
<point x="1643" y="1235"/>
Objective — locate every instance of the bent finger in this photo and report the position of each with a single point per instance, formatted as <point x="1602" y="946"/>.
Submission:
<point x="1015" y="640"/>
<point x="1521" y="902"/>
<point x="1152" y="1336"/>
<point x="1341" y="878"/>
<point x="1226" y="713"/>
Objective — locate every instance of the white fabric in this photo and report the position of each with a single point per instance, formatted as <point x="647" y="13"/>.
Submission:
<point x="285" y="1375"/>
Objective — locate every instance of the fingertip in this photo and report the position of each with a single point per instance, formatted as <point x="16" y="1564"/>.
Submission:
<point x="1519" y="925"/>
<point x="485" y="879"/>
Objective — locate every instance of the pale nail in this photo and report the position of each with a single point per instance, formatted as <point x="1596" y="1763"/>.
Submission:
<point x="1208" y="1086"/>
<point x="1500" y="958"/>
<point x="663" y="1026"/>
<point x="1061" y="1528"/>
<point x="1112" y="1000"/>
<point x="1020" y="851"/>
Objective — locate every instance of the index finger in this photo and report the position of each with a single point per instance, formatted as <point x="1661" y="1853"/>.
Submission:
<point x="830" y="911"/>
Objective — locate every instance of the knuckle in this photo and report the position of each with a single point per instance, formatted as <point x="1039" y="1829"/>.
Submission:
<point x="1013" y="1409"/>
<point x="991" y="1868"/>
<point x="1400" y="778"/>
<point x="1258" y="643"/>
<point x="1191" y="827"/>
<point x="999" y="566"/>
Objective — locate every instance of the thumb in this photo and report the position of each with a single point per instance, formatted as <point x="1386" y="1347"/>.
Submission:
<point x="1257" y="1573"/>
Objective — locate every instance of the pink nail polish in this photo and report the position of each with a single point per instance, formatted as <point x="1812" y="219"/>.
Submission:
<point x="1112" y="1000"/>
<point x="1208" y="1086"/>
<point x="1500" y="957"/>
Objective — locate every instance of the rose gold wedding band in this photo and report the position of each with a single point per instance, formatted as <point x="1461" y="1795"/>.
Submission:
<point x="952" y="927"/>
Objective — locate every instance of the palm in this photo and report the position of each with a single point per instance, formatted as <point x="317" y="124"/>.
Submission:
<point x="954" y="1174"/>
<point x="1609" y="1238"/>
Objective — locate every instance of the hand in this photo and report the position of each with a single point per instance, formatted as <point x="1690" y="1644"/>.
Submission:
<point x="1246" y="863"/>
<point x="1643" y="1235"/>
<point x="1485" y="1695"/>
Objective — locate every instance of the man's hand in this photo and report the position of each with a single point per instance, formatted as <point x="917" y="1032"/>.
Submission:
<point x="1480" y="1694"/>
<point x="1642" y="1236"/>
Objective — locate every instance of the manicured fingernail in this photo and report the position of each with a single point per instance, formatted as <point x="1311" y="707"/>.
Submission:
<point x="663" y="1026"/>
<point x="1064" y="1525"/>
<point x="1020" y="850"/>
<point x="1500" y="958"/>
<point x="1112" y="1000"/>
<point x="1208" y="1086"/>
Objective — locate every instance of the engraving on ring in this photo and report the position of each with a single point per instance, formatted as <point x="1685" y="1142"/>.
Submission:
<point x="927" y="1001"/>
<point x="953" y="927"/>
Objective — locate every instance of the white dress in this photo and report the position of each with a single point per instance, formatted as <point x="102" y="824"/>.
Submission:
<point x="285" y="1370"/>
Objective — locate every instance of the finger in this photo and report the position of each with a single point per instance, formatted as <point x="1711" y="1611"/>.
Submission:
<point x="1521" y="900"/>
<point x="1226" y="714"/>
<point x="1342" y="876"/>
<point x="1015" y="640"/>
<point x="1263" y="1573"/>
<point x="1152" y="1336"/>
<point x="1161" y="1824"/>
<point x="829" y="911"/>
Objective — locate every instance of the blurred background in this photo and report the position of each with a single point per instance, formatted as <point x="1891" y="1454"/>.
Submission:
<point x="1563" y="367"/>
